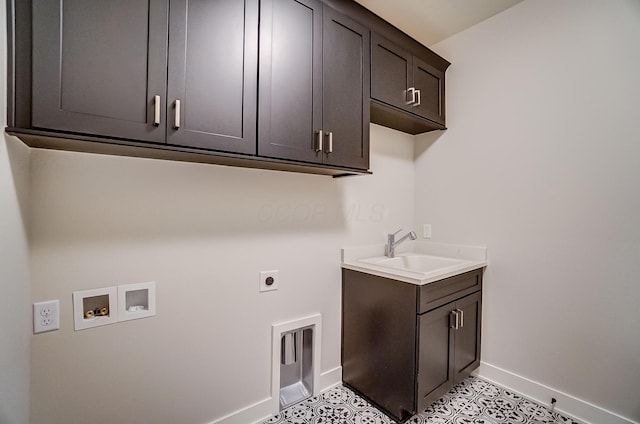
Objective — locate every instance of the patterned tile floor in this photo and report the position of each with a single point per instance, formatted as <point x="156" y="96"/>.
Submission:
<point x="472" y="401"/>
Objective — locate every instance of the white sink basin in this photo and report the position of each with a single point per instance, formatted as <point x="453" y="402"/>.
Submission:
<point x="416" y="262"/>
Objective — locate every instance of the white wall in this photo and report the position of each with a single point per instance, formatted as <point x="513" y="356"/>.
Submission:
<point x="15" y="318"/>
<point x="203" y="233"/>
<point x="15" y="321"/>
<point x="541" y="164"/>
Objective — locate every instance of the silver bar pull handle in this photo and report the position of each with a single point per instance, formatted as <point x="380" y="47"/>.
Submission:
<point x="319" y="136"/>
<point x="456" y="320"/>
<point x="411" y="91"/>
<point x="461" y="313"/>
<point x="330" y="146"/>
<point x="156" y="110"/>
<point x="176" y="124"/>
<point x="417" y="103"/>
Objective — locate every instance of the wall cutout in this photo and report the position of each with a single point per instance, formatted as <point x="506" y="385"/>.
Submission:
<point x="295" y="360"/>
<point x="93" y="308"/>
<point x="136" y="301"/>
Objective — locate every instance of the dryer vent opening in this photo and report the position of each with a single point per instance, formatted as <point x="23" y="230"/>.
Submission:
<point x="296" y="366"/>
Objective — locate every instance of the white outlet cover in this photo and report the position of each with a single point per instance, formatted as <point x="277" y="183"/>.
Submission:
<point x="265" y="283"/>
<point x="46" y="316"/>
<point x="426" y="231"/>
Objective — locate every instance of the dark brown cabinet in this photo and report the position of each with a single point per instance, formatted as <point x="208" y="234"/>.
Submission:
<point x="428" y="85"/>
<point x="100" y="68"/>
<point x="275" y="84"/>
<point x="346" y="87"/>
<point x="449" y="347"/>
<point x="404" y="345"/>
<point x="212" y="79"/>
<point x="314" y="85"/>
<point x="407" y="92"/>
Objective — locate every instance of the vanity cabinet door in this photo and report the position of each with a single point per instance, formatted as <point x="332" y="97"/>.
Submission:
<point x="213" y="67"/>
<point x="435" y="355"/>
<point x="448" y="347"/>
<point x="99" y="67"/>
<point x="467" y="337"/>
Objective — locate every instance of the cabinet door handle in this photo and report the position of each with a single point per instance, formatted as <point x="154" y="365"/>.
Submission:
<point x="456" y="320"/>
<point x="461" y="312"/>
<point x="176" y="124"/>
<point x="319" y="136"/>
<point x="330" y="146"/>
<point x="156" y="110"/>
<point x="417" y="102"/>
<point x="411" y="91"/>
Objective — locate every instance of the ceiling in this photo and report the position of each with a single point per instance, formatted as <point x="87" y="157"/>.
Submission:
<point x="430" y="21"/>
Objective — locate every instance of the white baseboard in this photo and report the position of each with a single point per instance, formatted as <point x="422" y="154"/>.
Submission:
<point x="566" y="404"/>
<point x="330" y="379"/>
<point x="262" y="410"/>
<point x="251" y="414"/>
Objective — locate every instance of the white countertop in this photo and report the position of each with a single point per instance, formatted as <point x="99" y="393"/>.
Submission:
<point x="472" y="257"/>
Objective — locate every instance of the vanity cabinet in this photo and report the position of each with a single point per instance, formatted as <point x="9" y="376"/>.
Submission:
<point x="314" y="85"/>
<point x="407" y="92"/>
<point x="405" y="345"/>
<point x="181" y="73"/>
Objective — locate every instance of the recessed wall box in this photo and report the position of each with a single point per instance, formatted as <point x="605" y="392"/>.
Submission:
<point x="295" y="356"/>
<point x="93" y="308"/>
<point x="136" y="301"/>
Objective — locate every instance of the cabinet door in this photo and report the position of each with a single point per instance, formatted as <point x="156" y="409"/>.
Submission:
<point x="435" y="355"/>
<point x="98" y="67"/>
<point x="391" y="69"/>
<point x="467" y="337"/>
<point x="290" y="85"/>
<point x="346" y="86"/>
<point x="430" y="83"/>
<point x="379" y="341"/>
<point x="212" y="82"/>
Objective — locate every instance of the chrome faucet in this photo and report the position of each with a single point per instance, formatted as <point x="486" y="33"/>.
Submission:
<point x="392" y="243"/>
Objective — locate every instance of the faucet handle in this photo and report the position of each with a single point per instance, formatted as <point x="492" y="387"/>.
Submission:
<point x="393" y="234"/>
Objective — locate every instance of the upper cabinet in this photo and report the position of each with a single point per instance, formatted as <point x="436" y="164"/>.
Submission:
<point x="314" y="85"/>
<point x="212" y="80"/>
<point x="278" y="84"/>
<point x="346" y="87"/>
<point x="290" y="108"/>
<point x="100" y="68"/>
<point x="407" y="92"/>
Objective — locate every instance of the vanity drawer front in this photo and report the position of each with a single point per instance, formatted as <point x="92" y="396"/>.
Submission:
<point x="444" y="291"/>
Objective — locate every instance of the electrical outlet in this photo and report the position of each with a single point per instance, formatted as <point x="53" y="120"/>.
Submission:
<point x="426" y="231"/>
<point x="46" y="316"/>
<point x="268" y="280"/>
